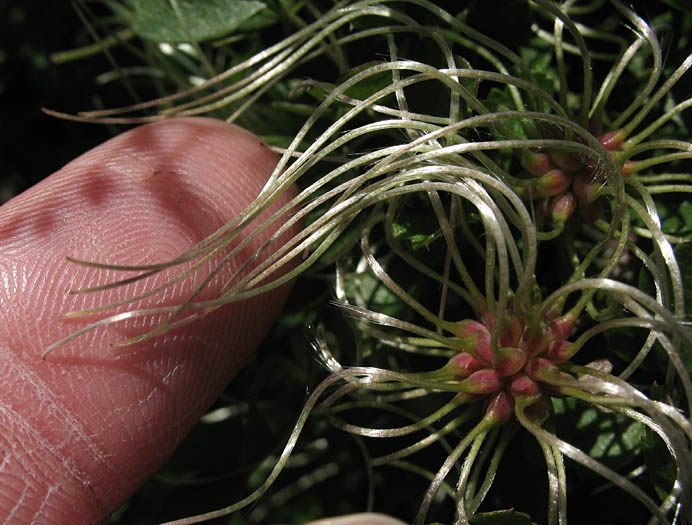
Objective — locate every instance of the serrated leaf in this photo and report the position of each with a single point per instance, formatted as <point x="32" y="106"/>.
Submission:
<point x="202" y="20"/>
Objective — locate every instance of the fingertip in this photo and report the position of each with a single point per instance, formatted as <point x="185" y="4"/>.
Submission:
<point x="108" y="415"/>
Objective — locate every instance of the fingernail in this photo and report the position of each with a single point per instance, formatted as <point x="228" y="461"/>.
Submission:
<point x="366" y="518"/>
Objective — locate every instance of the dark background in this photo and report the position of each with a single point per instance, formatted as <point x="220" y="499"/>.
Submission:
<point x="33" y="144"/>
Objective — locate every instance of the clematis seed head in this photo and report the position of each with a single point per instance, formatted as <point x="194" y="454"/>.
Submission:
<point x="510" y="330"/>
<point x="541" y="369"/>
<point x="469" y="327"/>
<point x="613" y="139"/>
<point x="464" y="364"/>
<point x="561" y="351"/>
<point x="567" y="161"/>
<point x="483" y="381"/>
<point x="552" y="183"/>
<point x="536" y="163"/>
<point x="585" y="188"/>
<point x="500" y="407"/>
<point x="562" y="207"/>
<point x="523" y="385"/>
<point x="562" y="327"/>
<point x="509" y="360"/>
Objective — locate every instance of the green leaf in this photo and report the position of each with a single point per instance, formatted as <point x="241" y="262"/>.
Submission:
<point x="261" y="472"/>
<point x="201" y="19"/>
<point x="376" y="295"/>
<point x="360" y="91"/>
<point x="682" y="5"/>
<point x="117" y="514"/>
<point x="267" y="17"/>
<point x="416" y="225"/>
<point x="683" y="253"/>
<point x="612" y="439"/>
<point x="348" y="238"/>
<point x="502" y="517"/>
<point x="677" y="218"/>
<point x="369" y="85"/>
<point x="659" y="465"/>
<point x="501" y="100"/>
<point x="539" y="60"/>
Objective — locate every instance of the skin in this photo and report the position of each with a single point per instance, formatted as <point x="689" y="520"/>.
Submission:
<point x="83" y="428"/>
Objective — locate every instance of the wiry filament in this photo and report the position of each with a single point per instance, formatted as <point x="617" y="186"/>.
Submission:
<point x="506" y="166"/>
